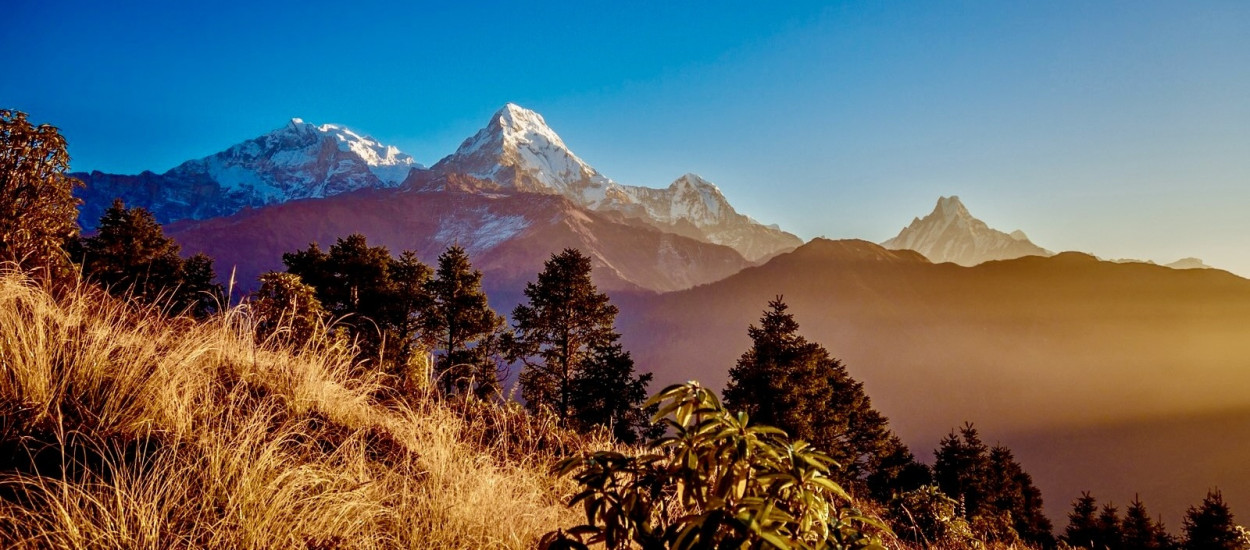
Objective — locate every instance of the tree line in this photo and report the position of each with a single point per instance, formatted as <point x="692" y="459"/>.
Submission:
<point x="396" y="311"/>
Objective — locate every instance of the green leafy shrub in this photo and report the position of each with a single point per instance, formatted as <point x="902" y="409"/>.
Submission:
<point x="714" y="482"/>
<point x="929" y="517"/>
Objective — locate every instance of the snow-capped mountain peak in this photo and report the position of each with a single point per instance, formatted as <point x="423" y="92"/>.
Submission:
<point x="517" y="150"/>
<point x="386" y="162"/>
<point x="951" y="234"/>
<point x="517" y="124"/>
<point x="298" y="160"/>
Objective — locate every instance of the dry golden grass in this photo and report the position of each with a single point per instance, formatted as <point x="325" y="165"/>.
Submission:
<point x="122" y="428"/>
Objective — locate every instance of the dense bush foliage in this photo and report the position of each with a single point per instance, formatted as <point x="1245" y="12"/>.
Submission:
<point x="715" y="481"/>
<point x="38" y="211"/>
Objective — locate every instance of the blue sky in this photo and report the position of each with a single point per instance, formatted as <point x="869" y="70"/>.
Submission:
<point x="1117" y="128"/>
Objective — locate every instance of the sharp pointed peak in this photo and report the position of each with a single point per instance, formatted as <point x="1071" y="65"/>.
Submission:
<point x="518" y="117"/>
<point x="951" y="207"/>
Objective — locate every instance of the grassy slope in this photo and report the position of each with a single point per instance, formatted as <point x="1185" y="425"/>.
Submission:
<point x="120" y="428"/>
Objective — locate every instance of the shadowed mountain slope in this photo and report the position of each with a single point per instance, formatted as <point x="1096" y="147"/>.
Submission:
<point x="508" y="237"/>
<point x="1035" y="345"/>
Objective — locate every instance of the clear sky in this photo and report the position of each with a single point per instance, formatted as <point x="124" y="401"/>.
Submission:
<point x="1117" y="128"/>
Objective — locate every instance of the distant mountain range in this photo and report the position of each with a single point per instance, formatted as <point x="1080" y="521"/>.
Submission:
<point x="951" y="234"/>
<point x="515" y="153"/>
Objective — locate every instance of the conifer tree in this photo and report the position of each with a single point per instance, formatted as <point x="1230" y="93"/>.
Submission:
<point x="378" y="298"/>
<point x="38" y="211"/>
<point x="1210" y="526"/>
<point x="1109" y="534"/>
<point x="1140" y="532"/>
<point x="785" y="381"/>
<point x="1011" y="490"/>
<point x="896" y="471"/>
<point x="1082" y="528"/>
<point x="564" y="337"/>
<point x="199" y="291"/>
<point x="605" y="392"/>
<point x="131" y="256"/>
<point x="460" y="323"/>
<point x="961" y="468"/>
<point x="998" y="496"/>
<point x="410" y="303"/>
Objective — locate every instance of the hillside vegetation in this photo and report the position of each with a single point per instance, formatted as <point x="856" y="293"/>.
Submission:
<point x="122" y="428"/>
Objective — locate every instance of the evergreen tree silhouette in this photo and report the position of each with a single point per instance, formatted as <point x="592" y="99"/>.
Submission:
<point x="997" y="495"/>
<point x="961" y="468"/>
<point x="1140" y="532"/>
<point x="785" y="381"/>
<point x="1082" y="528"/>
<point x="378" y="298"/>
<point x="460" y="323"/>
<point x="565" y="339"/>
<point x="1108" y="534"/>
<point x="131" y="256"/>
<point x="1210" y="525"/>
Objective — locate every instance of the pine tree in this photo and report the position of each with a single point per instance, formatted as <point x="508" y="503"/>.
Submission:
<point x="38" y="211"/>
<point x="198" y="292"/>
<point x="785" y="381"/>
<point x="377" y="298"/>
<point x="605" y="392"/>
<point x="286" y="309"/>
<point x="1082" y="530"/>
<point x="131" y="256"/>
<point x="1140" y="532"/>
<point x="1210" y="526"/>
<point x="460" y="323"/>
<point x="998" y="496"/>
<point x="896" y="471"/>
<point x="1011" y="490"/>
<point x="1109" y="533"/>
<point x="564" y="338"/>
<point x="409" y="304"/>
<point x="961" y="468"/>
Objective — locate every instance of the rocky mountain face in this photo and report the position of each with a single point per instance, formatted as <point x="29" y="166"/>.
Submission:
<point x="297" y="161"/>
<point x="517" y="151"/>
<point x="951" y="234"/>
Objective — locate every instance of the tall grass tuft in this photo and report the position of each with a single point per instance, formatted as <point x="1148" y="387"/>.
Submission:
<point x="122" y="427"/>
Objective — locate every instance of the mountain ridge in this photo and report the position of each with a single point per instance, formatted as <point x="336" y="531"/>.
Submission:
<point x="516" y="151"/>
